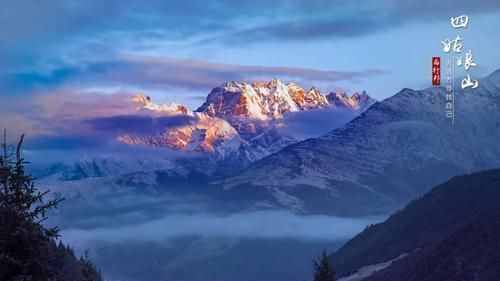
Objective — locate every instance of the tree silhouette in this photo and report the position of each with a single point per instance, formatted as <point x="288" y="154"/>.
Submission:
<point x="28" y="249"/>
<point x="323" y="270"/>
<point x="89" y="271"/>
<point x="25" y="242"/>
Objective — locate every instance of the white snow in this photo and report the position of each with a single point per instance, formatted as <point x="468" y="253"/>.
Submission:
<point x="369" y="270"/>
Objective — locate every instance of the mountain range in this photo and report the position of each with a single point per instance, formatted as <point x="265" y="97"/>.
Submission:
<point x="239" y="123"/>
<point x="241" y="120"/>
<point x="393" y="152"/>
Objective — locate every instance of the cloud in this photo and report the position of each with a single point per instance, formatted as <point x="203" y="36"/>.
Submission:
<point x="41" y="45"/>
<point x="46" y="151"/>
<point x="71" y="113"/>
<point x="73" y="120"/>
<point x="22" y="19"/>
<point x="99" y="132"/>
<point x="137" y="124"/>
<point x="65" y="142"/>
<point x="152" y="72"/>
<point x="43" y="38"/>
<point x="34" y="30"/>
<point x="314" y="123"/>
<point x="60" y="114"/>
<point x="262" y="224"/>
<point x="358" y="20"/>
<point x="304" y="29"/>
<point x="82" y="43"/>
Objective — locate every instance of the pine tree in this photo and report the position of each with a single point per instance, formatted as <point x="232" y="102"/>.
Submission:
<point x="24" y="240"/>
<point x="28" y="249"/>
<point x="89" y="271"/>
<point x="323" y="270"/>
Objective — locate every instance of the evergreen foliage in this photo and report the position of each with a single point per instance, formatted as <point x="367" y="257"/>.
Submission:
<point x="323" y="270"/>
<point x="28" y="251"/>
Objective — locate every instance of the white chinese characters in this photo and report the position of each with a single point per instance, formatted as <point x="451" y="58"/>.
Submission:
<point x="460" y="21"/>
<point x="456" y="44"/>
<point x="469" y="61"/>
<point x="455" y="58"/>
<point x="467" y="82"/>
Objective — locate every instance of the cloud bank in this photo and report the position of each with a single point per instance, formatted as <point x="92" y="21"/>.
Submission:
<point x="168" y="73"/>
<point x="263" y="225"/>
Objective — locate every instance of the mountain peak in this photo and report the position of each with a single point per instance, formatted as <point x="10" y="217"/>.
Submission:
<point x="314" y="89"/>
<point x="362" y="98"/>
<point x="230" y="86"/>
<point x="273" y="83"/>
<point x="259" y="100"/>
<point x="358" y="102"/>
<point x="141" y="98"/>
<point x="145" y="102"/>
<point x="358" y="96"/>
<point x="313" y="99"/>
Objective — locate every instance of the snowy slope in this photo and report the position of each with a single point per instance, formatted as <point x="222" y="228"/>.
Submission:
<point x="102" y="166"/>
<point x="389" y="154"/>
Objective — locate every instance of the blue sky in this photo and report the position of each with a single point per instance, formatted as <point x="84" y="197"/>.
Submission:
<point x="176" y="51"/>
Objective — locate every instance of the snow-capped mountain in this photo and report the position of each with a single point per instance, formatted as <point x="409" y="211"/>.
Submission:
<point x="313" y="99"/>
<point x="357" y="102"/>
<point x="238" y="120"/>
<point x="250" y="107"/>
<point x="145" y="102"/>
<point x="89" y="176"/>
<point x="388" y="155"/>
<point x="258" y="101"/>
<point x="209" y="136"/>
<point x="200" y="132"/>
<point x="238" y="124"/>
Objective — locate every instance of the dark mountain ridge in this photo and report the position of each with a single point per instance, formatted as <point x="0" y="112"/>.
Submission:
<point x="454" y="220"/>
